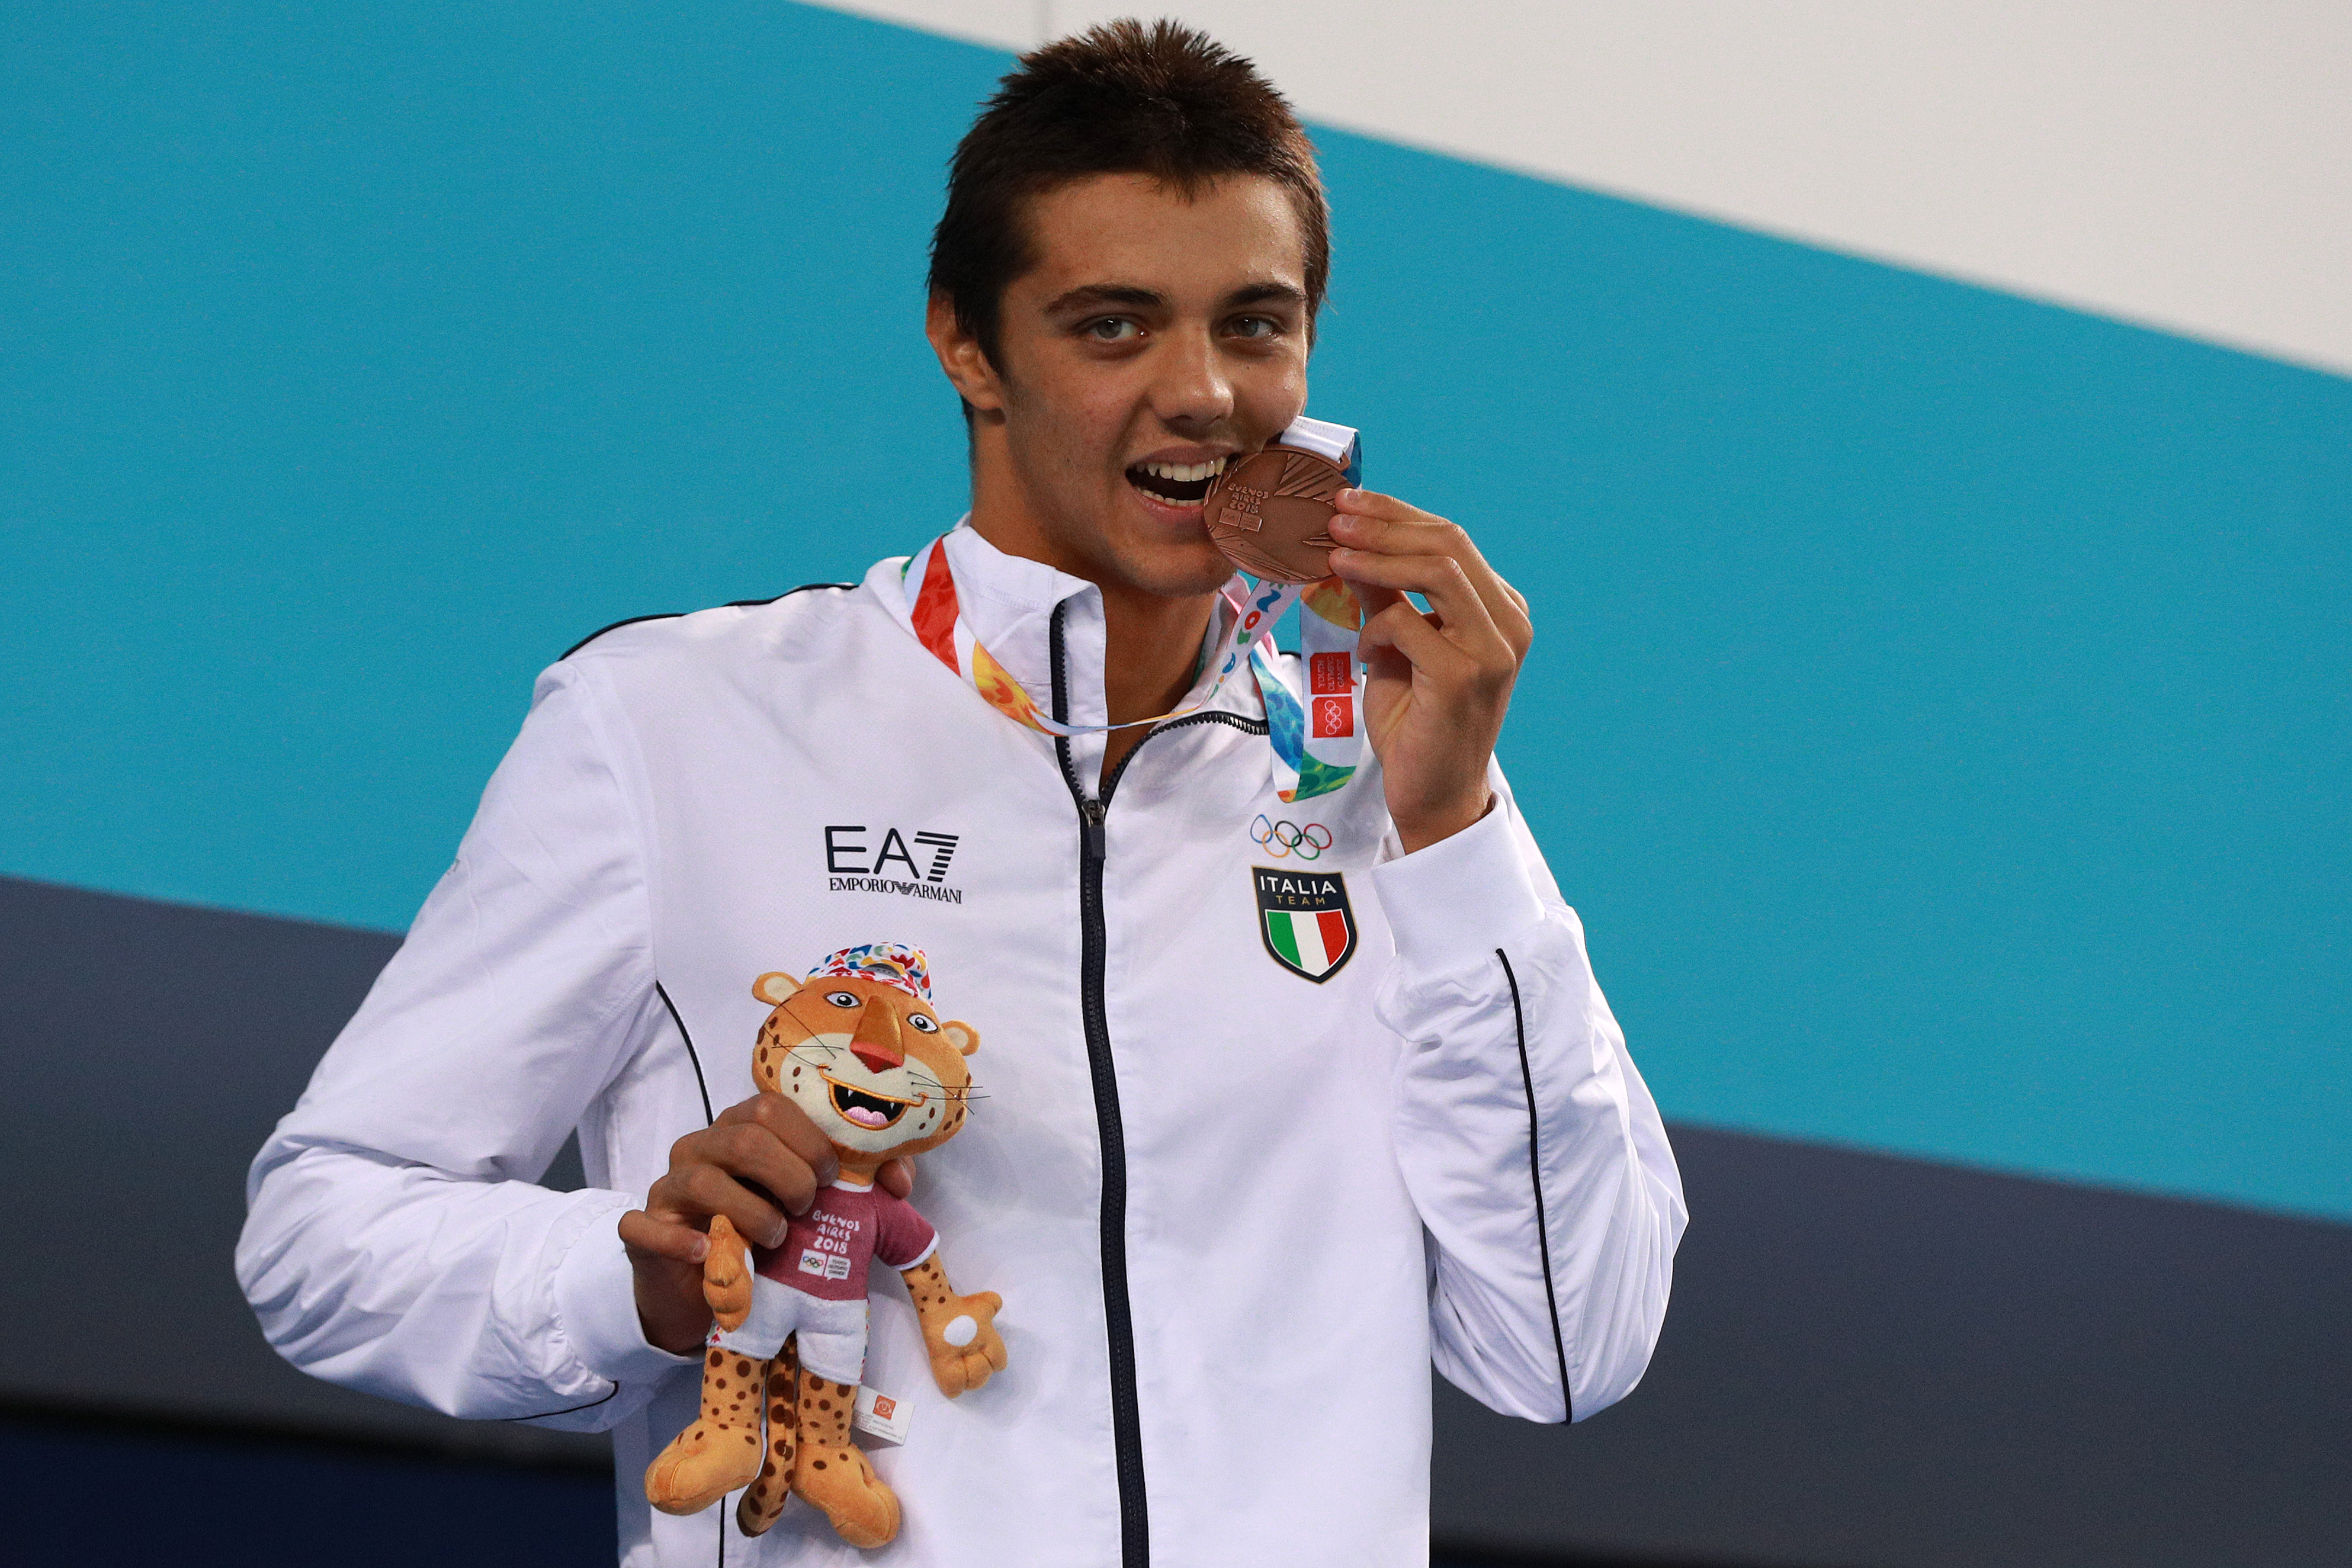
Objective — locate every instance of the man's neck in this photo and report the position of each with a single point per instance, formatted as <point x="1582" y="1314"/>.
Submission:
<point x="1151" y="642"/>
<point x="1151" y="650"/>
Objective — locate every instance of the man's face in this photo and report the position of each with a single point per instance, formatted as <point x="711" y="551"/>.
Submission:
<point x="1156" y="337"/>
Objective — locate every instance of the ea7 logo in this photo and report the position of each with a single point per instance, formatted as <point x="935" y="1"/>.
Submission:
<point x="845" y="853"/>
<point x="859" y="861"/>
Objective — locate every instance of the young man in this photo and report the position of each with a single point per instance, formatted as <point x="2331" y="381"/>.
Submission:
<point x="1235" y="1199"/>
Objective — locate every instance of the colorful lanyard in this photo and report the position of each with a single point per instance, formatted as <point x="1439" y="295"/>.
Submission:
<point x="1317" y="738"/>
<point x="1317" y="735"/>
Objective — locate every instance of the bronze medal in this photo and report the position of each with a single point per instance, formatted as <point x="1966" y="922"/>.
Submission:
<point x="1271" y="514"/>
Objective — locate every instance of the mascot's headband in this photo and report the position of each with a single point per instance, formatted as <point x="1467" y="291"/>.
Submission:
<point x="889" y="963"/>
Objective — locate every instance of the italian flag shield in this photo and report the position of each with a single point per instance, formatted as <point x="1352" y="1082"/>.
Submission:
<point x="1305" y="920"/>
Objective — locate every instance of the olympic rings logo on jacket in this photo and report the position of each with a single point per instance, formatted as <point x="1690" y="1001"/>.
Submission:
<point x="1283" y="837"/>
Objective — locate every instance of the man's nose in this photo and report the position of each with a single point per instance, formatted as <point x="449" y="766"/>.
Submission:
<point x="876" y="1043"/>
<point x="1193" y="390"/>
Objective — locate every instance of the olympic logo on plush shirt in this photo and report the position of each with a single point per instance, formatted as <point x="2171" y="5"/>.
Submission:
<point x="1286" y="838"/>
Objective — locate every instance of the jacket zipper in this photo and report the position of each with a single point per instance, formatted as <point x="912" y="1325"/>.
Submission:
<point x="1094" y="842"/>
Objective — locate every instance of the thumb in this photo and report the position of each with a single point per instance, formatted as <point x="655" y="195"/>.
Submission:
<point x="898" y="1176"/>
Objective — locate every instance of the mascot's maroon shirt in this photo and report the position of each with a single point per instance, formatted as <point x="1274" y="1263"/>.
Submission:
<point x="826" y="1249"/>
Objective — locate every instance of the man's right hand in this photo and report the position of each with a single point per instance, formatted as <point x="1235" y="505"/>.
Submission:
<point x="760" y="1162"/>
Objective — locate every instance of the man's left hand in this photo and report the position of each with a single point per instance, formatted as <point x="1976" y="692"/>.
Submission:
<point x="1437" y="683"/>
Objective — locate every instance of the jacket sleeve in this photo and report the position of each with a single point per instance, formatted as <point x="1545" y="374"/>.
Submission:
<point x="394" y="1242"/>
<point x="1529" y="1143"/>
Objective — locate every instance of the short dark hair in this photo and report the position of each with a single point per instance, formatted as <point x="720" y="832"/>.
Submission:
<point x="1162" y="100"/>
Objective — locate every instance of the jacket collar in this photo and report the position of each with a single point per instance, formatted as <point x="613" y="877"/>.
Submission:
<point x="1010" y="603"/>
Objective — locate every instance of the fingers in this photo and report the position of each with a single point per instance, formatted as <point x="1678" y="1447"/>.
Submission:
<point x="691" y="1192"/>
<point x="1374" y="506"/>
<point x="1442" y="580"/>
<point x="759" y="1161"/>
<point x="1467" y="670"/>
<point x="1389" y="549"/>
<point x="791" y="1126"/>
<point x="1382" y="525"/>
<point x="641" y="1232"/>
<point x="1399" y="647"/>
<point x="898" y="1176"/>
<point x="1425" y="646"/>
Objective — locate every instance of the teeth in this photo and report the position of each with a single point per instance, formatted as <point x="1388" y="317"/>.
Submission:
<point x="1186" y="472"/>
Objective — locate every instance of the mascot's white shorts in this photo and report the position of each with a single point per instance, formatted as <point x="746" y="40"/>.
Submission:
<point x="832" y="1333"/>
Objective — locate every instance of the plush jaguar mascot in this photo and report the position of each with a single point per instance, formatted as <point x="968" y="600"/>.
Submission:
<point x="858" y="1047"/>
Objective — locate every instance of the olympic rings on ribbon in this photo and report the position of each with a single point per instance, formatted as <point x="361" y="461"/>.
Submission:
<point x="1280" y="839"/>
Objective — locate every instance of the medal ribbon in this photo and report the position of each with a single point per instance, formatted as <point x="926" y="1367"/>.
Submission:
<point x="1316" y="734"/>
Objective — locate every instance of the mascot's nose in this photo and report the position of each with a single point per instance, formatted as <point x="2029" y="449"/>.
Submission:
<point x="876" y="1041"/>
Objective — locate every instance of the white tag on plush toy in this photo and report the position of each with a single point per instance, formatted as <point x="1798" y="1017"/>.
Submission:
<point x="879" y="1416"/>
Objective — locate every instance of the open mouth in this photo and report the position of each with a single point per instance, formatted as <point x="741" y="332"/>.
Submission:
<point x="865" y="1110"/>
<point x="1178" y="484"/>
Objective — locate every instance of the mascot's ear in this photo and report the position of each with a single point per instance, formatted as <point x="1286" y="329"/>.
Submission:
<point x="963" y="1035"/>
<point x="774" y="989"/>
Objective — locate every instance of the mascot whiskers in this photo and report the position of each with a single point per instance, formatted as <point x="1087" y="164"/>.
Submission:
<point x="858" y="1047"/>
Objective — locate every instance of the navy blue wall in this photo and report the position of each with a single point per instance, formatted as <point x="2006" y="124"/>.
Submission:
<point x="1870" y="1363"/>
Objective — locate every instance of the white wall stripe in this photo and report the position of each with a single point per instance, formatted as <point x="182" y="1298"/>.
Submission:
<point x="2186" y="165"/>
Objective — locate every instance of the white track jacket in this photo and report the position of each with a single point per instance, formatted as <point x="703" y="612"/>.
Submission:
<point x="1234" y="1207"/>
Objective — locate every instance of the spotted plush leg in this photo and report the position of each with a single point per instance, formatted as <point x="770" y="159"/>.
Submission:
<point x="834" y="1475"/>
<point x="765" y="1501"/>
<point x="722" y="1451"/>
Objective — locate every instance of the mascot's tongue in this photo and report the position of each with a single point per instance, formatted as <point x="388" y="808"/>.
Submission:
<point x="869" y="1111"/>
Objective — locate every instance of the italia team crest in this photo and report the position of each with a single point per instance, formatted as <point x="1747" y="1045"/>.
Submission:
<point x="1304" y="920"/>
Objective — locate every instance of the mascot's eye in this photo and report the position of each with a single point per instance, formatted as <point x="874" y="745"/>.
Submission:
<point x="842" y="999"/>
<point x="922" y="1023"/>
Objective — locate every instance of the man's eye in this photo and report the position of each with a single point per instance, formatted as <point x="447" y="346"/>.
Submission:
<point x="1257" y="327"/>
<point x="922" y="1024"/>
<point x="842" y="999"/>
<point x="1112" y="329"/>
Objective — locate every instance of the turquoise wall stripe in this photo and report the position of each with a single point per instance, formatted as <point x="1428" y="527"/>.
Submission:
<point x="1939" y="707"/>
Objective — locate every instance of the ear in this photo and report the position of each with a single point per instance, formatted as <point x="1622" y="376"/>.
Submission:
<point x="961" y="357"/>
<point x="774" y="989"/>
<point x="963" y="1035"/>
